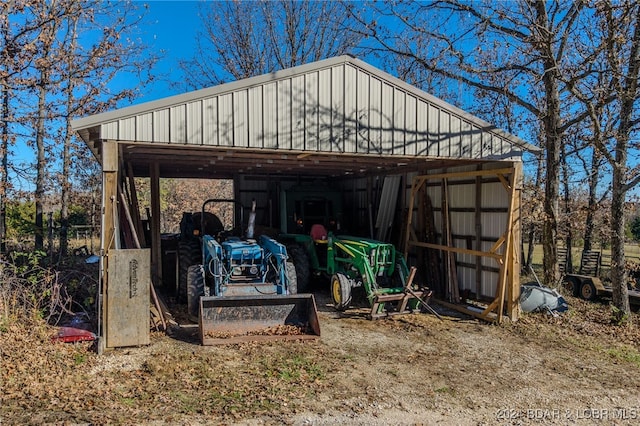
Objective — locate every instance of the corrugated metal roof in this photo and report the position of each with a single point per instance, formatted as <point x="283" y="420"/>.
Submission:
<point x="332" y="116"/>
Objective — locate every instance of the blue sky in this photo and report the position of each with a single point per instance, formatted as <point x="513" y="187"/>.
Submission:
<point x="170" y="30"/>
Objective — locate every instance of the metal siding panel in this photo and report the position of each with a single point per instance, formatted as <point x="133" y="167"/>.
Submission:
<point x="476" y="142"/>
<point x="387" y="119"/>
<point x="161" y="125"/>
<point x="455" y="139"/>
<point x="465" y="141"/>
<point x="144" y="127"/>
<point x="324" y="104"/>
<point x="312" y="111"/>
<point x="109" y="130"/>
<point x="194" y="123"/>
<point x="284" y="113"/>
<point x="375" y="116"/>
<point x="255" y="121"/>
<point x="225" y="119"/>
<point x="363" y="112"/>
<point x="434" y="131"/>
<point x="422" y="128"/>
<point x="298" y="113"/>
<point x="270" y="105"/>
<point x="178" y="124"/>
<point x="210" y="121"/>
<point x="445" y="134"/>
<point x="494" y="195"/>
<point x="399" y="104"/>
<point x="411" y="126"/>
<point x="337" y="109"/>
<point x="127" y="129"/>
<point x="350" y="117"/>
<point x="487" y="144"/>
<point x="240" y="119"/>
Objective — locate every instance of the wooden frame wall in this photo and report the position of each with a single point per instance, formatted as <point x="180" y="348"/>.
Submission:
<point x="504" y="250"/>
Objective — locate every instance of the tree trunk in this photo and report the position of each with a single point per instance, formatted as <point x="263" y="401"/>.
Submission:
<point x="620" y="296"/>
<point x="568" y="239"/>
<point x="591" y="203"/>
<point x="553" y="140"/>
<point x="4" y="182"/>
<point x="40" y="164"/>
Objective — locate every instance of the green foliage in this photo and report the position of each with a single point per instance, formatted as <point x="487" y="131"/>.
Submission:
<point x="78" y="215"/>
<point x="21" y="216"/>
<point x="634" y="228"/>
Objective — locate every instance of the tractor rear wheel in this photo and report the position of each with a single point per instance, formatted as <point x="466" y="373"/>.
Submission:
<point x="341" y="291"/>
<point x="298" y="254"/>
<point x="195" y="286"/>
<point x="188" y="254"/>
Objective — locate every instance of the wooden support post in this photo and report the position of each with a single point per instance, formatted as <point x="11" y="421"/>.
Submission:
<point x="109" y="231"/>
<point x="135" y="209"/>
<point x="513" y="289"/>
<point x="156" y="255"/>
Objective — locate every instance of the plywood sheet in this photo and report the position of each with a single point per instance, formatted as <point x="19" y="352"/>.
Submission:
<point x="127" y="320"/>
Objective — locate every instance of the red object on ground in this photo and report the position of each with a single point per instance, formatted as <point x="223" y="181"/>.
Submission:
<point x="73" y="334"/>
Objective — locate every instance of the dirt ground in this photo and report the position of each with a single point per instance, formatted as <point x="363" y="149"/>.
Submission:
<point x="414" y="369"/>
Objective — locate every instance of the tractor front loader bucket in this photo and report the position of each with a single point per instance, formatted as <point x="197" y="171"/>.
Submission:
<point x="235" y="319"/>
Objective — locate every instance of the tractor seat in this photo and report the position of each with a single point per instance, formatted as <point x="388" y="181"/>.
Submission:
<point x="318" y="233"/>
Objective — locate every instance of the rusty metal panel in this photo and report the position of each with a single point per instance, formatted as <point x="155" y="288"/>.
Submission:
<point x="127" y="298"/>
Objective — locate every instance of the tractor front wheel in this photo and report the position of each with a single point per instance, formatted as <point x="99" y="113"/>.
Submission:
<point x="292" y="279"/>
<point x="341" y="291"/>
<point x="195" y="289"/>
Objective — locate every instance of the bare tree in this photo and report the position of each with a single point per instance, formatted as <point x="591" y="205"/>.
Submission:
<point x="612" y="46"/>
<point x="242" y="39"/>
<point x="508" y="48"/>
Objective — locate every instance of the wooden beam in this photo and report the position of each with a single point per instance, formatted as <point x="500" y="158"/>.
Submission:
<point x="109" y="231"/>
<point x="454" y="249"/>
<point x="156" y="256"/>
<point x="513" y="293"/>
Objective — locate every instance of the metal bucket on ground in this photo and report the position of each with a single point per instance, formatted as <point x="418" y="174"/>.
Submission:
<point x="235" y="319"/>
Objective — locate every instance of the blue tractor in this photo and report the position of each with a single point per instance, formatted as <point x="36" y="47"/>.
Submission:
<point x="249" y="280"/>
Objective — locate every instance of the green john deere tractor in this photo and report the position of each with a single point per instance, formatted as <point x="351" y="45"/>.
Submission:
<point x="348" y="262"/>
